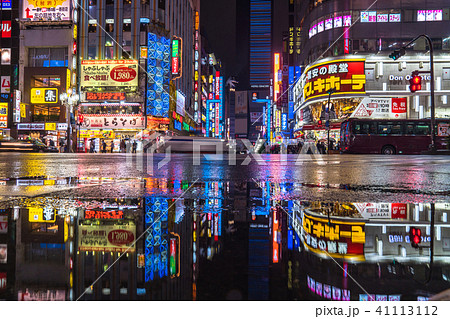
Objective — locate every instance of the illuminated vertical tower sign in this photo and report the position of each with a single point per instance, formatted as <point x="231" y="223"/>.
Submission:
<point x="158" y="70"/>
<point x="218" y="95"/>
<point x="197" y="113"/>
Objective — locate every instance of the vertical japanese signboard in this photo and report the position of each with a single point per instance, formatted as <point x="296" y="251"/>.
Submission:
<point x="3" y="115"/>
<point x="176" y="57"/>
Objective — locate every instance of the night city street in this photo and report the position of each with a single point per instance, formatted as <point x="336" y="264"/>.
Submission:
<point x="223" y="151"/>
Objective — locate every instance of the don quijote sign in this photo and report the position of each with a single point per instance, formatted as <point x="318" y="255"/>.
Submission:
<point x="401" y="78"/>
<point x="109" y="73"/>
<point x="345" y="76"/>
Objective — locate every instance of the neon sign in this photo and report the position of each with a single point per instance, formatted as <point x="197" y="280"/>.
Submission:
<point x="176" y="57"/>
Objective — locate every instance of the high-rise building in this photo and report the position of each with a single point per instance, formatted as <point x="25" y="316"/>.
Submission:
<point x="157" y="41"/>
<point x="345" y="45"/>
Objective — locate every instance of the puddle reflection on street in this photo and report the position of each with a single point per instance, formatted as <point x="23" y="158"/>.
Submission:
<point x="180" y="240"/>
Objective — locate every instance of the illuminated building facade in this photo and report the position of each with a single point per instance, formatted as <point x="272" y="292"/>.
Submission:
<point x="10" y="94"/>
<point x="333" y="32"/>
<point x="48" y="65"/>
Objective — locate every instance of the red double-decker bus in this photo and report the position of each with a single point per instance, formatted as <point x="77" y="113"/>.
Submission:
<point x="366" y="136"/>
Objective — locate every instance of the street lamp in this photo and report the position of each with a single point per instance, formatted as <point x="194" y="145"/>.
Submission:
<point x="69" y="100"/>
<point x="399" y="53"/>
<point x="327" y="117"/>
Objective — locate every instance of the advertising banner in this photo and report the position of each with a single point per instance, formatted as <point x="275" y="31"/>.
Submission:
<point x="3" y="115"/>
<point x="181" y="103"/>
<point x="157" y="123"/>
<point x="39" y="10"/>
<point x="41" y="295"/>
<point x="5" y="29"/>
<point x="176" y="57"/>
<point x="345" y="76"/>
<point x="3" y="276"/>
<point x="111" y="238"/>
<point x="6" y="4"/>
<point x="339" y="239"/>
<point x="3" y="224"/>
<point x="3" y="253"/>
<point x="111" y="121"/>
<point x="112" y="73"/>
<point x="96" y="134"/>
<point x="382" y="210"/>
<point x="5" y="82"/>
<point x="381" y="108"/>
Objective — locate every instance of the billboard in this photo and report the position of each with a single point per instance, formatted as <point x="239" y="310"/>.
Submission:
<point x="39" y="10"/>
<point x="6" y="4"/>
<point x="112" y="121"/>
<point x="158" y="71"/>
<point x="346" y="76"/>
<point x="109" y="73"/>
<point x="381" y="108"/>
<point x="336" y="238"/>
<point x="112" y="238"/>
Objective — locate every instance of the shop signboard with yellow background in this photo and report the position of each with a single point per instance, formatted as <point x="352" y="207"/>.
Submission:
<point x="346" y="76"/>
<point x="44" y="96"/>
<point x="3" y="115"/>
<point x="108" y="238"/>
<point x="97" y="134"/>
<point x="335" y="238"/>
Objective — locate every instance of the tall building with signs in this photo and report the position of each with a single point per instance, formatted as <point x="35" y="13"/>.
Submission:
<point x="369" y="84"/>
<point x="47" y="95"/>
<point x="9" y="67"/>
<point x="150" y="45"/>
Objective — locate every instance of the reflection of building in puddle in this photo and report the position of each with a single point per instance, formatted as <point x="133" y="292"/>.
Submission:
<point x="370" y="242"/>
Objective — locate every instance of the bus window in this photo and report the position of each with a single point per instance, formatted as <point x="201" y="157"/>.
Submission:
<point x="409" y="128"/>
<point x="396" y="128"/>
<point x="390" y="128"/>
<point x="384" y="128"/>
<point x="356" y="127"/>
<point x="422" y="129"/>
<point x="368" y="128"/>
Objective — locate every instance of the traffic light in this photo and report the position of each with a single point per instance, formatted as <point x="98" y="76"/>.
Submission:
<point x="415" y="82"/>
<point x="319" y="123"/>
<point x="397" y="54"/>
<point x="415" y="237"/>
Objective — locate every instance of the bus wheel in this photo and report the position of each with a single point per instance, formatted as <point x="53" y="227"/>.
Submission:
<point x="388" y="150"/>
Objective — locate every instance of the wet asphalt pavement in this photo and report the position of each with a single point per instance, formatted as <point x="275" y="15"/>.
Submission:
<point x="330" y="178"/>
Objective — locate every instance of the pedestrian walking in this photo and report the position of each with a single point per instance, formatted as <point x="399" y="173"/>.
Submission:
<point x="134" y="146"/>
<point x="112" y="146"/>
<point x="103" y="146"/>
<point x="123" y="146"/>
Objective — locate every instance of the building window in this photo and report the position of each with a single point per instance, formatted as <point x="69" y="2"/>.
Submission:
<point x="43" y="113"/>
<point x="46" y="81"/>
<point x="48" y="57"/>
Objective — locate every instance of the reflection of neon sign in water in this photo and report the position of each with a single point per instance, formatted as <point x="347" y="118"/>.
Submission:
<point x="156" y="240"/>
<point x="327" y="291"/>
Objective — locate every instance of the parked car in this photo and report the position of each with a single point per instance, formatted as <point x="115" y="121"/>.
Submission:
<point x="30" y="145"/>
